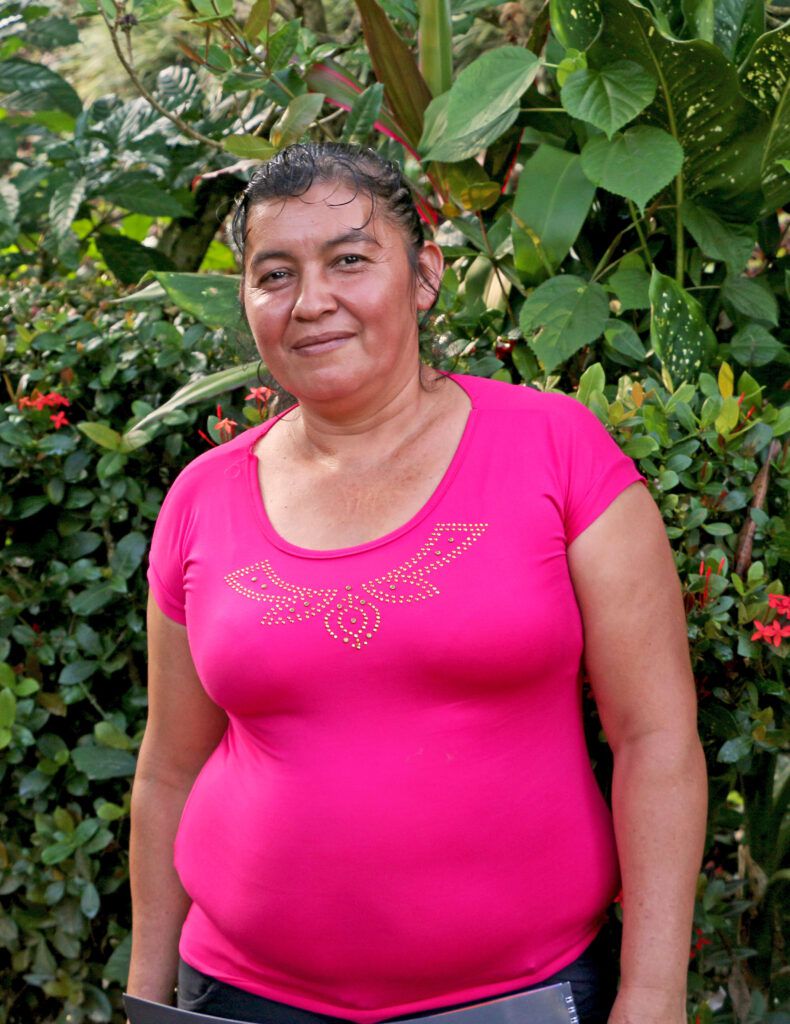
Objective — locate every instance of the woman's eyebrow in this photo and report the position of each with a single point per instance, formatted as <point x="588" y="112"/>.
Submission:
<point x="355" y="235"/>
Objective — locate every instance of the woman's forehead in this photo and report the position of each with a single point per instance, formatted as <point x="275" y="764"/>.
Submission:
<point x="324" y="203"/>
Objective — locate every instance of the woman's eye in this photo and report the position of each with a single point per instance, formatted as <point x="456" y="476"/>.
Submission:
<point x="274" y="277"/>
<point x="351" y="259"/>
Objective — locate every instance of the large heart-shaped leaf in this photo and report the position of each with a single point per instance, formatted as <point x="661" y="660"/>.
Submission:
<point x="765" y="78"/>
<point x="636" y="164"/>
<point x="699" y="102"/>
<point x="609" y="97"/>
<point x="679" y="331"/>
<point x="731" y="243"/>
<point x="551" y="204"/>
<point x="561" y="315"/>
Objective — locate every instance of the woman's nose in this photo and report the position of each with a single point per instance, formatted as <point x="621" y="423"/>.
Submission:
<point x="314" y="296"/>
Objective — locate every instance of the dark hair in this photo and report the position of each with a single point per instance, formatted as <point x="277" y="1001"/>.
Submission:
<point x="295" y="169"/>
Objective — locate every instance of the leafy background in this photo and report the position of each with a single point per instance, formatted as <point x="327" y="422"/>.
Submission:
<point x="608" y="181"/>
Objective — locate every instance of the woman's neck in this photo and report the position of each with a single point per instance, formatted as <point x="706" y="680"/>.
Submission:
<point x="358" y="430"/>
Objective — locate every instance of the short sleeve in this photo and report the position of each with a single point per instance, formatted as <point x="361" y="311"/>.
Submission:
<point x="595" y="469"/>
<point x="165" y="558"/>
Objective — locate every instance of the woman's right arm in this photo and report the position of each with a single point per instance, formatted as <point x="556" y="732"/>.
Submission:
<point x="184" y="726"/>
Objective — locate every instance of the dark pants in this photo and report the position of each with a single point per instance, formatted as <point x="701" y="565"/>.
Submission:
<point x="593" y="979"/>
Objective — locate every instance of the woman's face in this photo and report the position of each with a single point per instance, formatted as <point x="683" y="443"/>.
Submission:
<point x="330" y="295"/>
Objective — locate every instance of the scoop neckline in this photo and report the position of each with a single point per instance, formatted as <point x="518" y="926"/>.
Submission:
<point x="294" y="549"/>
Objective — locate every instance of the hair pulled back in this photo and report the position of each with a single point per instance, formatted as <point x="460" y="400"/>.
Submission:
<point x="294" y="170"/>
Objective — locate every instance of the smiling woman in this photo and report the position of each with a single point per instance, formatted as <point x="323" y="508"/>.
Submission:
<point x="367" y="624"/>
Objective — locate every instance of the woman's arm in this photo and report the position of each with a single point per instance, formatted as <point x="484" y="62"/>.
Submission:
<point x="636" y="653"/>
<point x="184" y="726"/>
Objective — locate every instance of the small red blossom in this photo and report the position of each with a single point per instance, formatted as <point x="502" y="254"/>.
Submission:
<point x="59" y="419"/>
<point x="260" y="395"/>
<point x="699" y="943"/>
<point x="780" y="603"/>
<point x="39" y="401"/>
<point x="773" y="633"/>
<point x="207" y="439"/>
<point x="226" y="426"/>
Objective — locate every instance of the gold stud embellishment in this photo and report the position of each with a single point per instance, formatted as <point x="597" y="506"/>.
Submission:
<point x="349" y="618"/>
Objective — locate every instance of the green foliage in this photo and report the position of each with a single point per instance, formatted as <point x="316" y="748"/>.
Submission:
<point x="608" y="195"/>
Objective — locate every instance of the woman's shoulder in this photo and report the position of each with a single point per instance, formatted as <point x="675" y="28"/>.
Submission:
<point x="209" y="469"/>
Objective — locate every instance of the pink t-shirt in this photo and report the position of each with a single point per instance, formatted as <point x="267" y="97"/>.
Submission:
<point x="401" y="814"/>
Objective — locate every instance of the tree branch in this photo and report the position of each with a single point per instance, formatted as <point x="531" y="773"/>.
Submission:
<point x="129" y="68"/>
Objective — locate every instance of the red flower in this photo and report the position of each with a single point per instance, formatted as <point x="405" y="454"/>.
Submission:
<point x="773" y="633"/>
<point x="59" y="419"/>
<point x="780" y="603"/>
<point x="260" y="395"/>
<point x="226" y="426"/>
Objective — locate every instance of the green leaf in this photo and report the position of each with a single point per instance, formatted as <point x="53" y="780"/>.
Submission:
<point x="63" y="205"/>
<point x="698" y="19"/>
<point x="737" y="24"/>
<point x="489" y="87"/>
<point x="129" y="260"/>
<point x="249" y="147"/>
<point x="435" y="43"/>
<point x="699" y="102"/>
<point x="139" y="192"/>
<point x="9" y="203"/>
<point x="563" y="314"/>
<point x="623" y="344"/>
<point x="765" y="79"/>
<point x="197" y="391"/>
<point x="77" y="672"/>
<point x="109" y="735"/>
<point x="282" y="45"/>
<point x="101" y="434"/>
<point x="90" y="903"/>
<point x="257" y="19"/>
<point x="781" y="424"/>
<point x="754" y="345"/>
<point x="551" y="204"/>
<point x="7" y="709"/>
<point x="575" y="23"/>
<point x="637" y="164"/>
<point x="591" y="381"/>
<point x="296" y="119"/>
<point x="609" y="97"/>
<point x="211" y="298"/>
<point x="437" y="143"/>
<point x="363" y="114"/>
<point x="393" y="62"/>
<point x="89" y="601"/>
<point x="631" y="285"/>
<point x="731" y="244"/>
<point x="679" y="332"/>
<point x="735" y="749"/>
<point x="640" y="447"/>
<point x="34" y="87"/>
<point x="128" y="554"/>
<point x="749" y="297"/>
<point x="117" y="967"/>
<point x="103" y="762"/>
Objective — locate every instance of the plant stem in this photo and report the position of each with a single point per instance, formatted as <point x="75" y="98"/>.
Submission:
<point x="128" y="66"/>
<point x="642" y="239"/>
<point x="680" y="254"/>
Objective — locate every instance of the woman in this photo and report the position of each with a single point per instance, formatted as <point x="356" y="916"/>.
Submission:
<point x="366" y="625"/>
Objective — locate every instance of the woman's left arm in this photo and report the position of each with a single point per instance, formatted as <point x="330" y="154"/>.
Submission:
<point x="636" y="654"/>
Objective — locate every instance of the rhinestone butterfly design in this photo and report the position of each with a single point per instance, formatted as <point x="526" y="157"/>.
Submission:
<point x="352" y="614"/>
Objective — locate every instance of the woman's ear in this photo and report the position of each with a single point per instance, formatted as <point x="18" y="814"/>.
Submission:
<point x="430" y="265"/>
